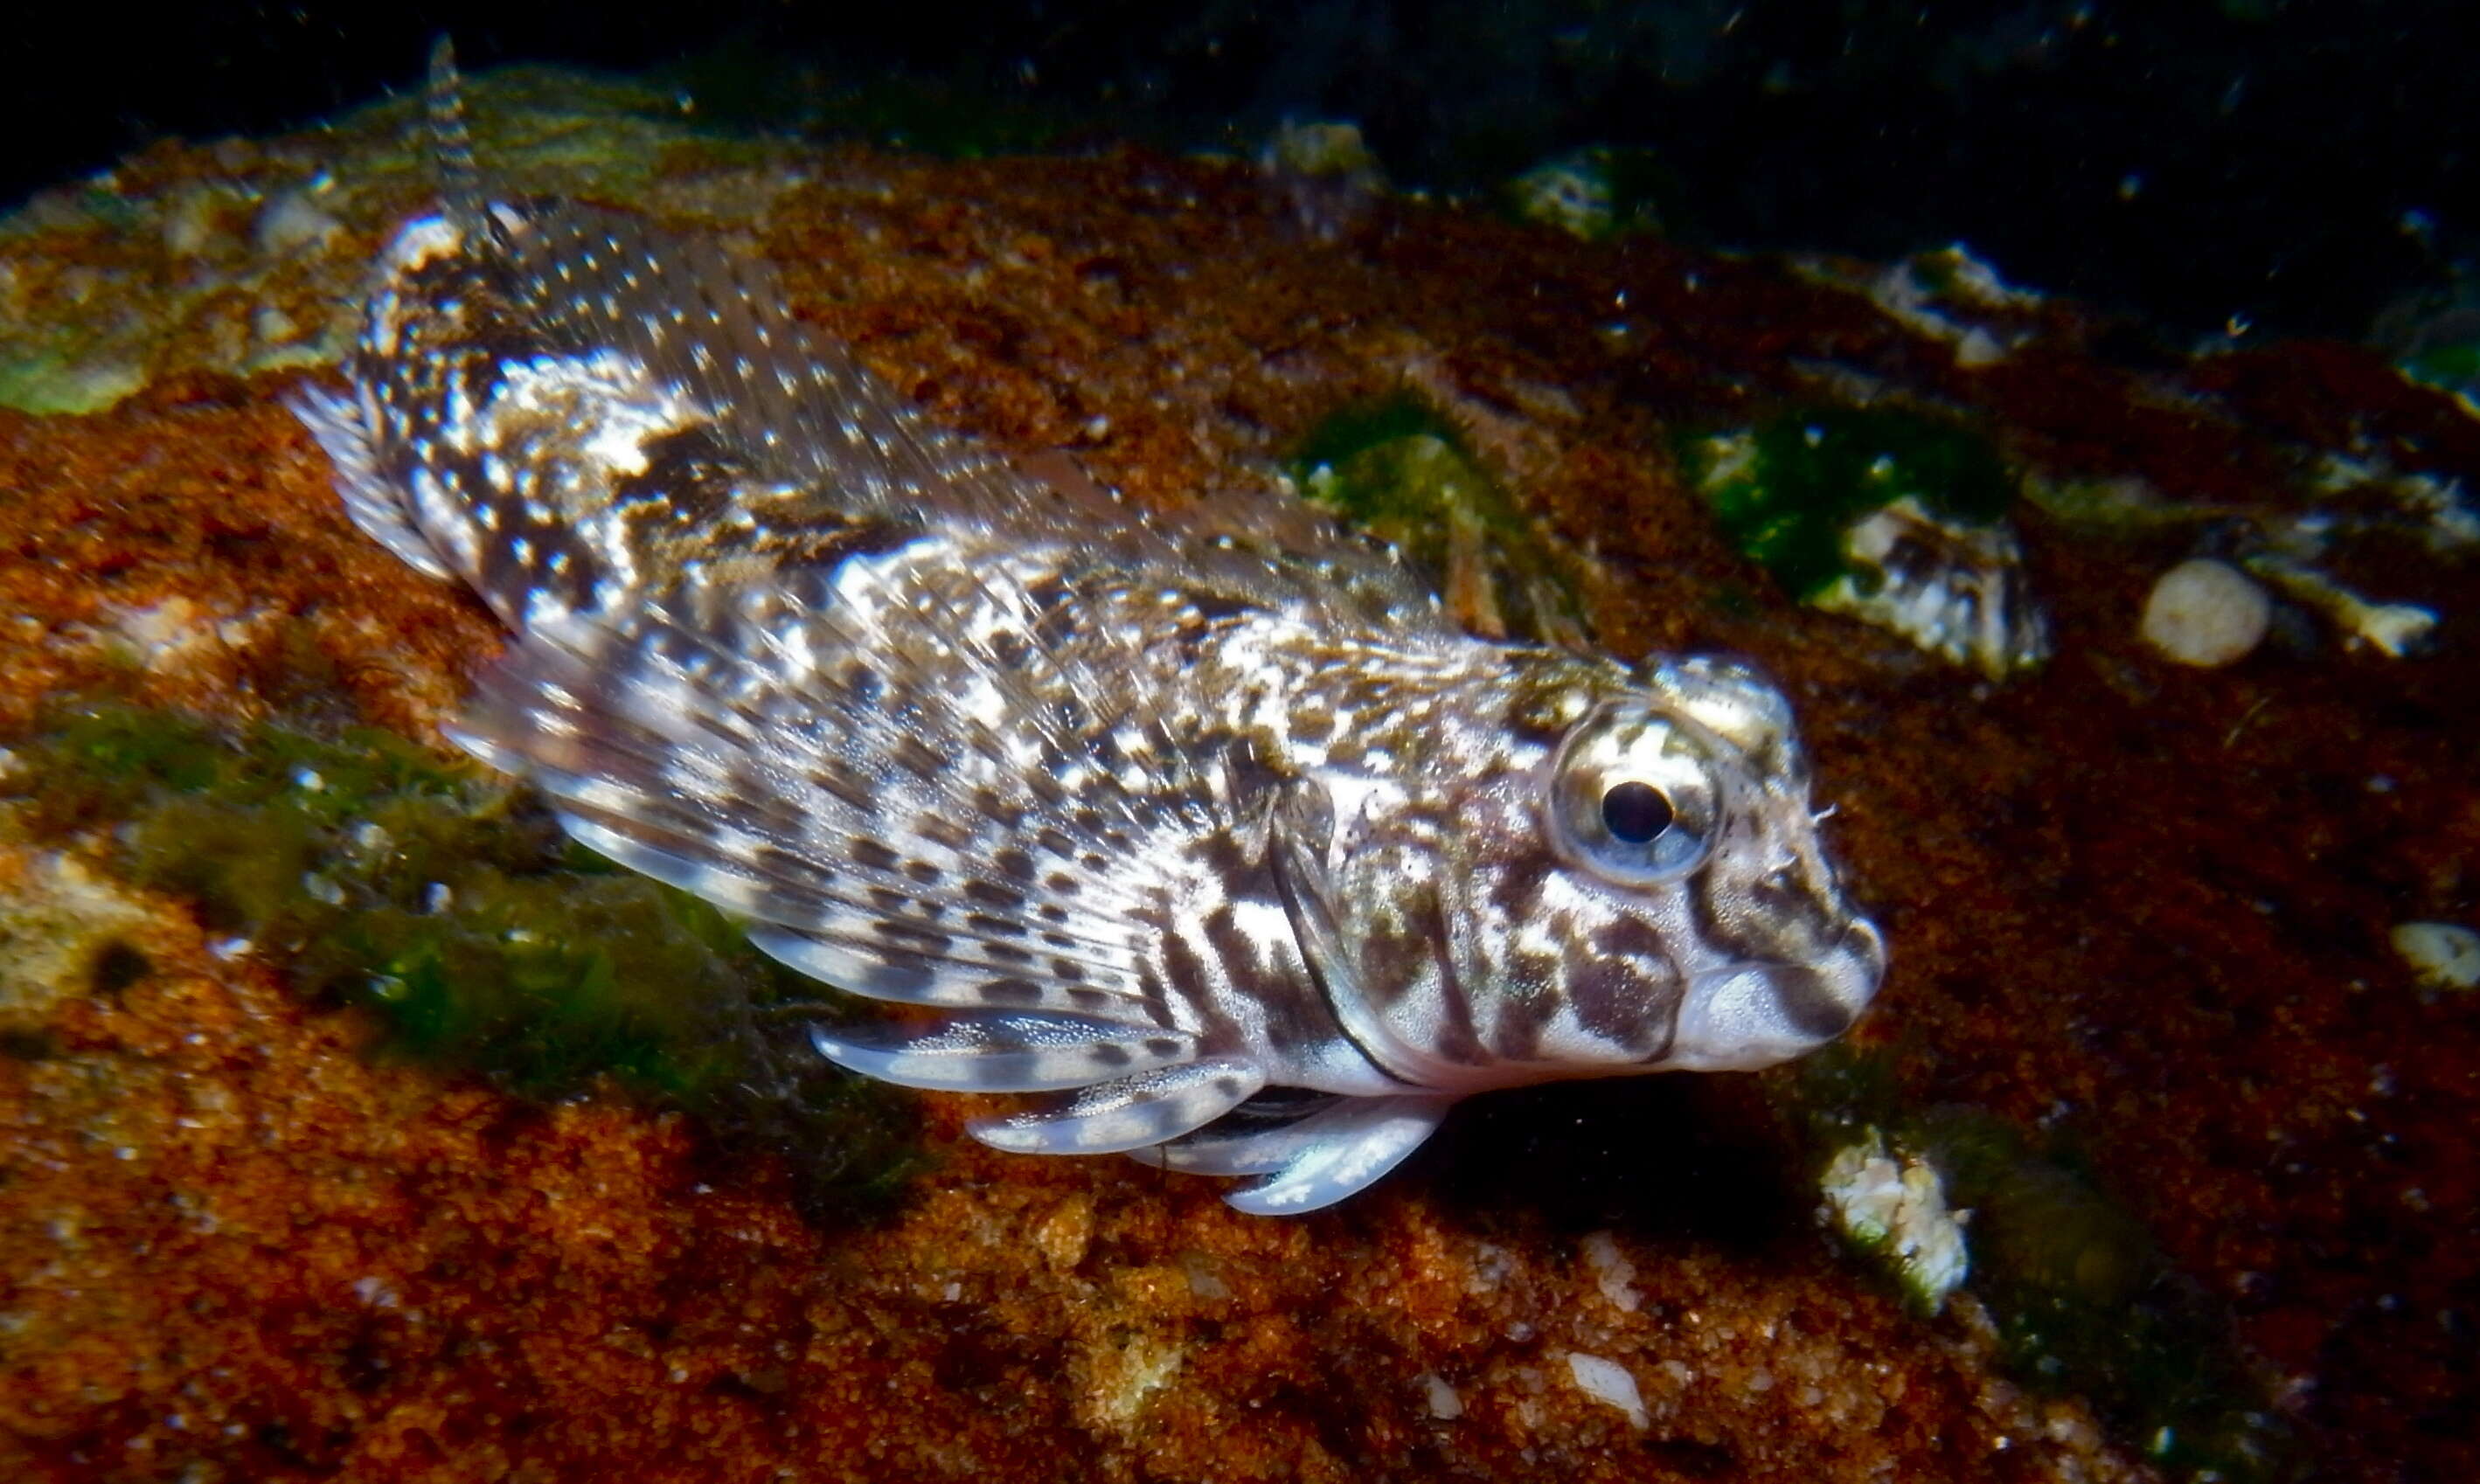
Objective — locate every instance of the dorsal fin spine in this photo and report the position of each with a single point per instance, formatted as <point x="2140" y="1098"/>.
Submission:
<point x="452" y="144"/>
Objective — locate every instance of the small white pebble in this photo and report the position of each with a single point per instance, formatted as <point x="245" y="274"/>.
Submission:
<point x="1608" y="1382"/>
<point x="1204" y="1283"/>
<point x="1612" y="1273"/>
<point x="1978" y="349"/>
<point x="190" y="226"/>
<point x="1444" y="1404"/>
<point x="2205" y="613"/>
<point x="290" y="221"/>
<point x="273" y="326"/>
<point x="2442" y="955"/>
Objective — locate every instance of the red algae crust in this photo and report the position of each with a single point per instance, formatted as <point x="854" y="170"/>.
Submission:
<point x="235" y="1248"/>
<point x="2148" y="902"/>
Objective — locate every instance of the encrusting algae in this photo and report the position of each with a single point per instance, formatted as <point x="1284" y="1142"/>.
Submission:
<point x="370" y="873"/>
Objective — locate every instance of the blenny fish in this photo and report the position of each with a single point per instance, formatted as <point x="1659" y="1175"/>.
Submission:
<point x="1212" y="827"/>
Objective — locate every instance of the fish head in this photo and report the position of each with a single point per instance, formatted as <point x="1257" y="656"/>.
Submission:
<point x="1627" y="876"/>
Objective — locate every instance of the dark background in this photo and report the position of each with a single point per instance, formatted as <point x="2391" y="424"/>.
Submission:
<point x="2298" y="164"/>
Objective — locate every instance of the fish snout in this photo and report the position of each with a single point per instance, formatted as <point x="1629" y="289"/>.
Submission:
<point x="1746" y="1015"/>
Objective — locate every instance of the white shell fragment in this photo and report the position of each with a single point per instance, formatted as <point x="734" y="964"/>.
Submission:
<point x="1895" y="1204"/>
<point x="1952" y="296"/>
<point x="1955" y="588"/>
<point x="1608" y="1381"/>
<point x="2442" y="955"/>
<point x="1612" y="1273"/>
<point x="2395" y="630"/>
<point x="2205" y="613"/>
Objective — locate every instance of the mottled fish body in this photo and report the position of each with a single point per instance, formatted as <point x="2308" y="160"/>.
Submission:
<point x="1218" y="833"/>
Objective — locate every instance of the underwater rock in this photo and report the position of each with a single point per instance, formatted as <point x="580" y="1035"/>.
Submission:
<point x="2205" y="613"/>
<point x="1593" y="194"/>
<point x="369" y="873"/>
<point x="64" y="928"/>
<point x="160" y="266"/>
<point x="1947" y="294"/>
<point x="1326" y="177"/>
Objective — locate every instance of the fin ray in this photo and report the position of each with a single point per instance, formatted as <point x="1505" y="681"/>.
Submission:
<point x="1001" y="1053"/>
<point x="342" y="427"/>
<point x="1113" y="1117"/>
<point x="875" y="971"/>
<point x="1244" y="1141"/>
<point x="1338" y="1151"/>
<point x="782" y="793"/>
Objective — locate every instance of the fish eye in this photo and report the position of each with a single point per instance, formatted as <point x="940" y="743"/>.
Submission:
<point x="1634" y="796"/>
<point x="1635" y="812"/>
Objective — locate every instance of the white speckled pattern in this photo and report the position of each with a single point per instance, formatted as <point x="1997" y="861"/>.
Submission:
<point x="1217" y="835"/>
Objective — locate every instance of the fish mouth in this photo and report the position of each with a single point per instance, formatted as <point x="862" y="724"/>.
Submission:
<point x="1745" y="1015"/>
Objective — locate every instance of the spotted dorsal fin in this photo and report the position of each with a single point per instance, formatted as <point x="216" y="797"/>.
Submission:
<point x="451" y="143"/>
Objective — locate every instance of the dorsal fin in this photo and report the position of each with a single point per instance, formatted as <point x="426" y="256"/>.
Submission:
<point x="452" y="144"/>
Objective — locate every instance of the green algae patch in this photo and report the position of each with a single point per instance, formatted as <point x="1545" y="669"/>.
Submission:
<point x="1397" y="470"/>
<point x="2084" y="1302"/>
<point x="46" y="383"/>
<point x="2452" y="368"/>
<point x="1787" y="489"/>
<point x="448" y="904"/>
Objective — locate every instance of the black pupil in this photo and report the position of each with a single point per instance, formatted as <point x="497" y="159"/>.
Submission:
<point x="1635" y="812"/>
